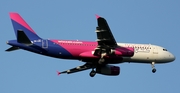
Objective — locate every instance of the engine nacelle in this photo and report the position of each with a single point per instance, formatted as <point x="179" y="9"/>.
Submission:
<point x="108" y="70"/>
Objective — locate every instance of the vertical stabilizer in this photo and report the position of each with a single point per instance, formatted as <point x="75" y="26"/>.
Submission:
<point x="20" y="24"/>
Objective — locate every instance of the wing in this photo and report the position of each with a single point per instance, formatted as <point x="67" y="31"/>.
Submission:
<point x="104" y="34"/>
<point x="76" y="69"/>
<point x="105" y="37"/>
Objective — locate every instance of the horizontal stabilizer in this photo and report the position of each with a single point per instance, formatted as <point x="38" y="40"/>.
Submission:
<point x="12" y="48"/>
<point x="22" y="37"/>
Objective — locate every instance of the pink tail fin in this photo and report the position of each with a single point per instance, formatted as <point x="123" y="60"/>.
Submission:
<point x="19" y="24"/>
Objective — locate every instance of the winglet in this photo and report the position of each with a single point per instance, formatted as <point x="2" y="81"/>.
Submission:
<point x="58" y="73"/>
<point x="97" y="16"/>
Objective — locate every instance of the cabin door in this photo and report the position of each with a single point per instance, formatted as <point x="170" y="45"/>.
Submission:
<point x="44" y="43"/>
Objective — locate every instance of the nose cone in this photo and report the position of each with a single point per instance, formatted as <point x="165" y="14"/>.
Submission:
<point x="166" y="57"/>
<point x="171" y="57"/>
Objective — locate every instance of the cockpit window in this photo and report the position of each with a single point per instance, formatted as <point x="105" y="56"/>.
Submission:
<point x="164" y="49"/>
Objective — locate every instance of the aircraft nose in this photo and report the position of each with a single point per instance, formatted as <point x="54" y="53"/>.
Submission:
<point x="171" y="57"/>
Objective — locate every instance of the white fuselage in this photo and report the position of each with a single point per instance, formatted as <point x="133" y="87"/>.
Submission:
<point x="147" y="53"/>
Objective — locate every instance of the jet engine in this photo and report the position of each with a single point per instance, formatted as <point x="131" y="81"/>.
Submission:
<point x="108" y="70"/>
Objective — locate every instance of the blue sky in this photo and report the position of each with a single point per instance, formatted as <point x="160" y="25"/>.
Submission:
<point x="134" y="21"/>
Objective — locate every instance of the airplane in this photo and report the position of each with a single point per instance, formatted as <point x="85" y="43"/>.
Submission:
<point x="99" y="55"/>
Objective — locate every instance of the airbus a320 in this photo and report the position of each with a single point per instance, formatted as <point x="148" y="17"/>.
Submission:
<point x="99" y="55"/>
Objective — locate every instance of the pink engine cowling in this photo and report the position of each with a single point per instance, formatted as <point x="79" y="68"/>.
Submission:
<point x="108" y="70"/>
